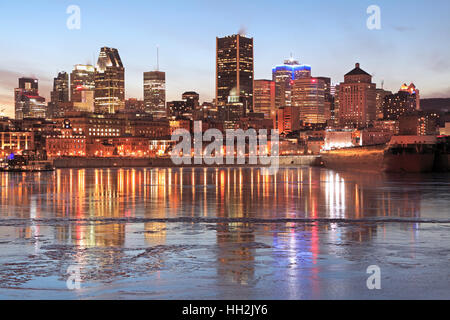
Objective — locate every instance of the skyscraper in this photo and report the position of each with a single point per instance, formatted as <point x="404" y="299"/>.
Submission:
<point x="329" y="99"/>
<point x="155" y="93"/>
<point x="283" y="77"/>
<point x="28" y="103"/>
<point x="109" y="82"/>
<point x="308" y="94"/>
<point x="60" y="91"/>
<point x="59" y="97"/>
<point x="264" y="97"/>
<point x="234" y="70"/>
<point x="82" y="79"/>
<point x="357" y="98"/>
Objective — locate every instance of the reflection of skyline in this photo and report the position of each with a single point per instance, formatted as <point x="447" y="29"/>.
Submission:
<point x="214" y="192"/>
<point x="110" y="194"/>
<point x="130" y="208"/>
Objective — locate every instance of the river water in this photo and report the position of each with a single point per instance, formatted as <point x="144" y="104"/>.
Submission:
<point x="226" y="233"/>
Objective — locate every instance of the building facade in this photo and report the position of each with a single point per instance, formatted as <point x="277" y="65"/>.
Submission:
<point x="284" y="76"/>
<point x="308" y="95"/>
<point x="357" y="99"/>
<point x="264" y="97"/>
<point x="234" y="70"/>
<point x="396" y="105"/>
<point x="28" y="103"/>
<point x="155" y="93"/>
<point x="109" y="82"/>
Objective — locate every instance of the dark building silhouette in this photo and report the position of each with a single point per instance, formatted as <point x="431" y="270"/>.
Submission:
<point x="234" y="70"/>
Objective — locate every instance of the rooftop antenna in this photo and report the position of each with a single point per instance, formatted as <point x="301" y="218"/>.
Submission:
<point x="157" y="57"/>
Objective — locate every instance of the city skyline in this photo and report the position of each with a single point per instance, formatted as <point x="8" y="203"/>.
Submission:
<point x="187" y="56"/>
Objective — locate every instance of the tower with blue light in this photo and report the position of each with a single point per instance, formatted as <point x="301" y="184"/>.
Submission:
<point x="283" y="77"/>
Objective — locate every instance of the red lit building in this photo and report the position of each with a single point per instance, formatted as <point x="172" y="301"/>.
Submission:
<point x="357" y="99"/>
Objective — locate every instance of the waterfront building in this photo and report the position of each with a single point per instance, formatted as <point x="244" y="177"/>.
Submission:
<point x="109" y="82"/>
<point x="12" y="142"/>
<point x="234" y="70"/>
<point x="28" y="103"/>
<point x="120" y="124"/>
<point x="155" y="93"/>
<point x="357" y="99"/>
<point x="418" y="123"/>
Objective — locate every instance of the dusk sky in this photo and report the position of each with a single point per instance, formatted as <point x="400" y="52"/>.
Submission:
<point x="412" y="45"/>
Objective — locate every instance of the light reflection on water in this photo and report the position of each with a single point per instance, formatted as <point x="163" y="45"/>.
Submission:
<point x="226" y="192"/>
<point x="238" y="252"/>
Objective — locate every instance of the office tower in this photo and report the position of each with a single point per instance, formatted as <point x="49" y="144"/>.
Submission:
<point x="109" y="82"/>
<point x="59" y="96"/>
<point x="357" y="98"/>
<point x="60" y="91"/>
<point x="308" y="95"/>
<point x="234" y="70"/>
<point x="336" y="106"/>
<point x="28" y="103"/>
<point x="264" y="98"/>
<point x="82" y="79"/>
<point x="283" y="77"/>
<point x="395" y="105"/>
<point x="155" y="93"/>
<point x="380" y="95"/>
<point x="329" y="99"/>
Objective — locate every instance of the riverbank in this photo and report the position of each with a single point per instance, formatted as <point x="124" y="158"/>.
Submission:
<point x="75" y="162"/>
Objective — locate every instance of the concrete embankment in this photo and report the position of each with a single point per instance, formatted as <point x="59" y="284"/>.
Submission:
<point x="362" y="159"/>
<point x="165" y="162"/>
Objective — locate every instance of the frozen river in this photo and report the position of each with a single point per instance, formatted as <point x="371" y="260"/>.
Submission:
<point x="306" y="233"/>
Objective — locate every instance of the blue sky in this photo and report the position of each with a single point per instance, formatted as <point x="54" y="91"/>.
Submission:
<point x="412" y="45"/>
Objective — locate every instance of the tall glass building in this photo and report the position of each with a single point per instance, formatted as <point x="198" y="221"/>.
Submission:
<point x="109" y="82"/>
<point x="82" y="79"/>
<point x="283" y="77"/>
<point x="155" y="93"/>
